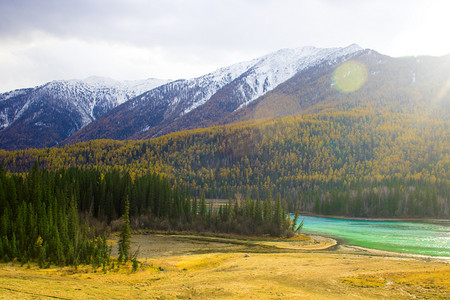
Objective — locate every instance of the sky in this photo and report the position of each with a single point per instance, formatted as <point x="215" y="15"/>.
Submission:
<point x="47" y="40"/>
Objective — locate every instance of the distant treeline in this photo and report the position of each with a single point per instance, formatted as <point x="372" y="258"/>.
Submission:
<point x="53" y="216"/>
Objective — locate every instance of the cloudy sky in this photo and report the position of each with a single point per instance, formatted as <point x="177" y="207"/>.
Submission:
<point x="46" y="40"/>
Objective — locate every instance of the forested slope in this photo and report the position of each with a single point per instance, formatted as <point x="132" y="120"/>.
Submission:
<point x="363" y="161"/>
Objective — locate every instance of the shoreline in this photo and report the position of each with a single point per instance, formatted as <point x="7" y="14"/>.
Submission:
<point x="392" y="254"/>
<point x="340" y="242"/>
<point x="440" y="255"/>
<point x="342" y="245"/>
<point x="397" y="219"/>
<point x="317" y="243"/>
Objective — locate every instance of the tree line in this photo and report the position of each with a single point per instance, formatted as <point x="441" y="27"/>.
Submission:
<point x="63" y="217"/>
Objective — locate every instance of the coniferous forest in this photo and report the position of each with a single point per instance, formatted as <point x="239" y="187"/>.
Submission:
<point x="63" y="217"/>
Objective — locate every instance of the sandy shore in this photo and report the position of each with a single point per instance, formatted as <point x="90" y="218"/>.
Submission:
<point x="160" y="245"/>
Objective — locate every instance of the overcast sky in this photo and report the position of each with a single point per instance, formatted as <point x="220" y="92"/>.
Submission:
<point x="44" y="40"/>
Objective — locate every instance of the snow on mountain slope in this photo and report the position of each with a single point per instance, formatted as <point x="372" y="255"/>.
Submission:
<point x="181" y="96"/>
<point x="255" y="78"/>
<point x="212" y="82"/>
<point x="263" y="74"/>
<point x="45" y="115"/>
<point x="276" y="68"/>
<point x="211" y="96"/>
<point x="90" y="97"/>
<point x="105" y="108"/>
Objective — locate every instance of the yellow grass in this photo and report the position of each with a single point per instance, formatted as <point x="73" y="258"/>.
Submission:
<point x="230" y="274"/>
<point x="365" y="281"/>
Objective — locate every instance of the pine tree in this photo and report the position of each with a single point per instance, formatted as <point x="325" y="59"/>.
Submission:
<point x="297" y="214"/>
<point x="194" y="208"/>
<point x="125" y="234"/>
<point x="203" y="208"/>
<point x="278" y="216"/>
<point x="268" y="209"/>
<point x="258" y="217"/>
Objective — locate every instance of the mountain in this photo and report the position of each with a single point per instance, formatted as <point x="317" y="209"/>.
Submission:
<point x="284" y="83"/>
<point x="45" y="115"/>
<point x="208" y="99"/>
<point x="349" y="131"/>
<point x="406" y="84"/>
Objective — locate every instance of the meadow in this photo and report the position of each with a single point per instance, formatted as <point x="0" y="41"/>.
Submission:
<point x="202" y="267"/>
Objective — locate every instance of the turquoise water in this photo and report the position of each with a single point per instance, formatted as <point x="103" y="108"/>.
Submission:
<point x="411" y="237"/>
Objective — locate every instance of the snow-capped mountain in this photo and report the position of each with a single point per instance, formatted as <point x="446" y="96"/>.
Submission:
<point x="236" y="86"/>
<point x="252" y="78"/>
<point x="48" y="114"/>
<point x="286" y="82"/>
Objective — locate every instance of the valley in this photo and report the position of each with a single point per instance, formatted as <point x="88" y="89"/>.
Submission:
<point x="224" y="149"/>
<point x="236" y="152"/>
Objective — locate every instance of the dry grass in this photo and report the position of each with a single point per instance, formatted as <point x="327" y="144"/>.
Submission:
<point x="365" y="282"/>
<point x="424" y="284"/>
<point x="201" y="269"/>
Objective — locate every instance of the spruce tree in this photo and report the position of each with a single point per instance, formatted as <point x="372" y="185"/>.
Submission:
<point x="278" y="216"/>
<point x="194" y="208"/>
<point x="203" y="209"/>
<point x="125" y="234"/>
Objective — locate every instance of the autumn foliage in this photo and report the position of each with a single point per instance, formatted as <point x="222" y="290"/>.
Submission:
<point x="364" y="161"/>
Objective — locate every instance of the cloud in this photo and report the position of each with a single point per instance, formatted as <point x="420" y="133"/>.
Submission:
<point x="61" y="39"/>
<point x="193" y="24"/>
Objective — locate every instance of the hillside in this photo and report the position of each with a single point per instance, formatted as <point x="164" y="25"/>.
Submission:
<point x="405" y="84"/>
<point x="365" y="161"/>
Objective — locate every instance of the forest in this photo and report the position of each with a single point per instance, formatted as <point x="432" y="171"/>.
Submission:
<point x="63" y="217"/>
<point x="363" y="161"/>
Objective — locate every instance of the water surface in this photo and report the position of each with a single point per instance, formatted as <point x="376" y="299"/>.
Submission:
<point x="411" y="237"/>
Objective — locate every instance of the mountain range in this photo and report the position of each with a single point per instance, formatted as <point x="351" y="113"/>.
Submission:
<point x="46" y="115"/>
<point x="286" y="82"/>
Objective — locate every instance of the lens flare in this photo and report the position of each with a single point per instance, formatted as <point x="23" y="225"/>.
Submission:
<point x="444" y="92"/>
<point x="350" y="76"/>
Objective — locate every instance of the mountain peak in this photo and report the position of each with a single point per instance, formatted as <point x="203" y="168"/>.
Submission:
<point x="47" y="114"/>
<point x="206" y="99"/>
<point x="354" y="47"/>
<point x="100" y="81"/>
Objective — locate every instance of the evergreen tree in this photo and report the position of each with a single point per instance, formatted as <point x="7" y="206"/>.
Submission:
<point x="279" y="216"/>
<point x="203" y="211"/>
<point x="125" y="235"/>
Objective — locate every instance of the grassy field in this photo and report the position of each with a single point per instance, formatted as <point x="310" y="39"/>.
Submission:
<point x="195" y="267"/>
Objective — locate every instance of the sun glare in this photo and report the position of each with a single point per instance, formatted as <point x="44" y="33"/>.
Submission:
<point x="350" y="76"/>
<point x="426" y="34"/>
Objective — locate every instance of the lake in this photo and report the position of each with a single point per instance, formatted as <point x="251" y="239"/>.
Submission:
<point x="426" y="238"/>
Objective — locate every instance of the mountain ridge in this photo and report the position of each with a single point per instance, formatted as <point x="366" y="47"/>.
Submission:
<point x="283" y="83"/>
<point x="45" y="115"/>
<point x="149" y="114"/>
